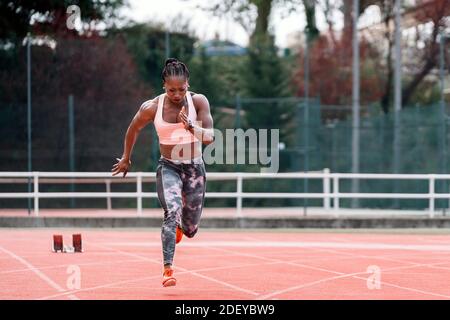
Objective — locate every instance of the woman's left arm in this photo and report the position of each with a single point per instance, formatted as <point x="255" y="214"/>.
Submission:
<point x="203" y="128"/>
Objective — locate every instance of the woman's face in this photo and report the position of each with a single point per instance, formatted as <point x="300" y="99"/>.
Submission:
<point x="176" y="88"/>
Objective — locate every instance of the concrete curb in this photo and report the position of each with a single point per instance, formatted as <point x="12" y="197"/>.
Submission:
<point x="282" y="222"/>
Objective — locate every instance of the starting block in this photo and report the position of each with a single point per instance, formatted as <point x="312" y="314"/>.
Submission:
<point x="58" y="244"/>
<point x="77" y="244"/>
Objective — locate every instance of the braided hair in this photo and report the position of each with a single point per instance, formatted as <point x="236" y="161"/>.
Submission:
<point x="174" y="68"/>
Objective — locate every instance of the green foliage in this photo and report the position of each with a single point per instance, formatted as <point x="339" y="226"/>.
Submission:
<point x="264" y="77"/>
<point x="204" y="78"/>
<point x="148" y="46"/>
<point x="426" y="93"/>
<point x="219" y="77"/>
<point x="15" y="16"/>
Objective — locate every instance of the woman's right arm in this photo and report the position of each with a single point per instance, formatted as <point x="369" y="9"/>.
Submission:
<point x="144" y="116"/>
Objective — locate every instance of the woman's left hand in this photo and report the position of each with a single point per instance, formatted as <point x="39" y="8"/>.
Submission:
<point x="184" y="118"/>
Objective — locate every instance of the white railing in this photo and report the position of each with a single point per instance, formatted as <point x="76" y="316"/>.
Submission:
<point x="330" y="187"/>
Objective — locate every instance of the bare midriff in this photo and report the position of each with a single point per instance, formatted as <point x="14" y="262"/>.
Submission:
<point x="182" y="152"/>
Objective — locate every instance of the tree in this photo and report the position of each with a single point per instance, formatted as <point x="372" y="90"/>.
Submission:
<point x="101" y="75"/>
<point x="264" y="76"/>
<point x="310" y="13"/>
<point x="254" y="15"/>
<point x="147" y="43"/>
<point x="423" y="52"/>
<point x="264" y="73"/>
<point x="437" y="14"/>
<point x="205" y="77"/>
<point x="430" y="18"/>
<point x="17" y="18"/>
<point x="387" y="9"/>
<point x="331" y="72"/>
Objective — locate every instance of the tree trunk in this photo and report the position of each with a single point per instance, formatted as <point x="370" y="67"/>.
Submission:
<point x="411" y="87"/>
<point x="310" y="12"/>
<point x="328" y="18"/>
<point x="430" y="58"/>
<point x="264" y="8"/>
<point x="348" y="19"/>
<point x="385" y="100"/>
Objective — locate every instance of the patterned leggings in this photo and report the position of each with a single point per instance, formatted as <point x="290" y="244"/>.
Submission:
<point x="181" y="193"/>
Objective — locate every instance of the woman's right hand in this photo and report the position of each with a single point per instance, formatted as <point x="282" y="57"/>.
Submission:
<point x="122" y="165"/>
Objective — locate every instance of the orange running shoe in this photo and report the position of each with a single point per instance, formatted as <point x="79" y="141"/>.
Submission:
<point x="168" y="279"/>
<point x="179" y="234"/>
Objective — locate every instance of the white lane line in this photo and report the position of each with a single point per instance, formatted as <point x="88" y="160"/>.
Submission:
<point x="407" y="288"/>
<point x="386" y="258"/>
<point x="38" y="272"/>
<point x="66" y="265"/>
<point x="182" y="272"/>
<point x="293" y="244"/>
<point x="340" y="275"/>
<point x="354" y="275"/>
<point x="182" y="269"/>
<point x="113" y="284"/>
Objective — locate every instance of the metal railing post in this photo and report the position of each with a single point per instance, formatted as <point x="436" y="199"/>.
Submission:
<point x="108" y="191"/>
<point x="36" y="192"/>
<point x="139" y="192"/>
<point x="239" y="196"/>
<point x="448" y="200"/>
<point x="326" y="189"/>
<point x="431" y="196"/>
<point x="336" y="195"/>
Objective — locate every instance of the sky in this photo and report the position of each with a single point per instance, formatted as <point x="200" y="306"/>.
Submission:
<point x="205" y="25"/>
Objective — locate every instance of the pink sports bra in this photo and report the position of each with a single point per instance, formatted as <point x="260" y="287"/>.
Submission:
<point x="174" y="133"/>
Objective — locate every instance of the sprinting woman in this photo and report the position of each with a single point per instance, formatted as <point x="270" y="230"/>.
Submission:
<point x="183" y="122"/>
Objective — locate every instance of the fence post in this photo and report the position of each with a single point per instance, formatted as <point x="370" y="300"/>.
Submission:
<point x="36" y="192"/>
<point x="139" y="192"/>
<point x="431" y="195"/>
<point x="336" y="196"/>
<point x="108" y="191"/>
<point x="448" y="200"/>
<point x="239" y="196"/>
<point x="326" y="189"/>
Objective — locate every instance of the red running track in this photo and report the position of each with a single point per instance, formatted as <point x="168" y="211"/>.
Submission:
<point x="236" y="264"/>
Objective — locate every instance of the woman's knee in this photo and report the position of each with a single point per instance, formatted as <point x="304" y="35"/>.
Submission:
<point x="190" y="231"/>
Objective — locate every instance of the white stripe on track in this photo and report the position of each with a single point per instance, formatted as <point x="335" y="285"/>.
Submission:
<point x="293" y="244"/>
<point x="38" y="272"/>
<point x="339" y="275"/>
<point x="229" y="285"/>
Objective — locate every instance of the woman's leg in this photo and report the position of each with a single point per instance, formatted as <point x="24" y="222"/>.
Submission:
<point x="194" y="186"/>
<point x="169" y="188"/>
